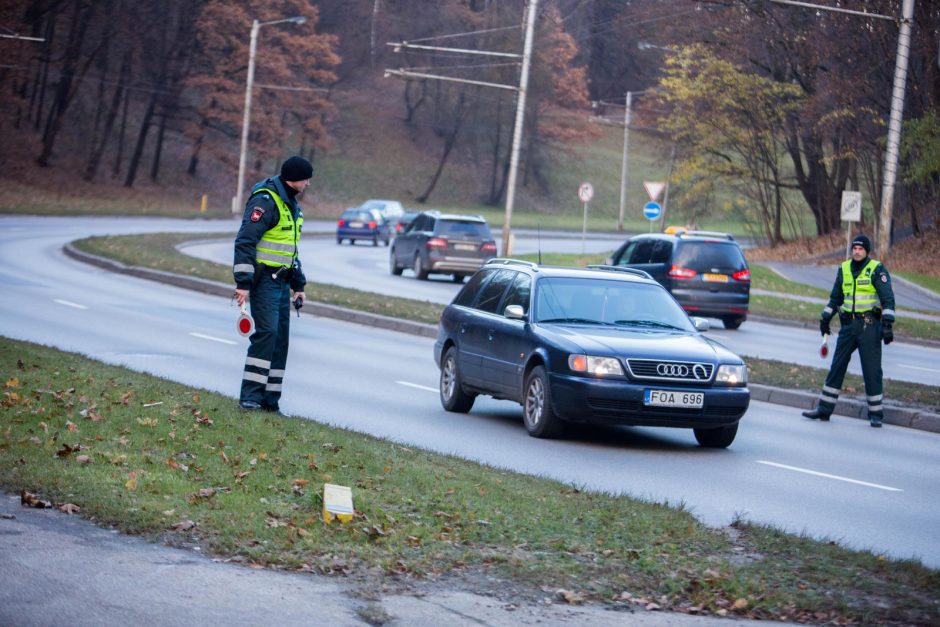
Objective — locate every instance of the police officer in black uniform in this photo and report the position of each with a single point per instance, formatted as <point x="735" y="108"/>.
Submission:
<point x="863" y="297"/>
<point x="266" y="270"/>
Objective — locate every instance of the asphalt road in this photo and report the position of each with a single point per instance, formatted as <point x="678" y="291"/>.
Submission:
<point x="365" y="267"/>
<point x="864" y="488"/>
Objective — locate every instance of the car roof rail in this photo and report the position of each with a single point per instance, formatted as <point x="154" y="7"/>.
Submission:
<point x="505" y="261"/>
<point x="633" y="271"/>
<point x="682" y="233"/>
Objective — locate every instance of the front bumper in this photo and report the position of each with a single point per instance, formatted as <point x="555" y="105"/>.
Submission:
<point x="620" y="401"/>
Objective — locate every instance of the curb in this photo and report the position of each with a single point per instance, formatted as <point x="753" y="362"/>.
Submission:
<point x="900" y="416"/>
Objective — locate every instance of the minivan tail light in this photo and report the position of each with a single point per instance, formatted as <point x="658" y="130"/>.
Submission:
<point x="678" y="272"/>
<point x="742" y="275"/>
<point x="489" y="247"/>
<point x="436" y="242"/>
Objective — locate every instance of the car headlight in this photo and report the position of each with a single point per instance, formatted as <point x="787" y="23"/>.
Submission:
<point x="600" y="366"/>
<point x="731" y="375"/>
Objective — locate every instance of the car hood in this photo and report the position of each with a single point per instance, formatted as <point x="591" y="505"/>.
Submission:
<point x="637" y="343"/>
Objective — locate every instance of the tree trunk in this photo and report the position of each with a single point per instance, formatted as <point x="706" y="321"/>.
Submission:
<point x="449" y="142"/>
<point x="120" y="141"/>
<point x="141" y="141"/>
<point x="158" y="150"/>
<point x="64" y="90"/>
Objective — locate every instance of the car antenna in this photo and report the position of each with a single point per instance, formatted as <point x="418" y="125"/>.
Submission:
<point x="539" y="231"/>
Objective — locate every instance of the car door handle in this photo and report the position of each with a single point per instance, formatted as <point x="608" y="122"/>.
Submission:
<point x="463" y="329"/>
<point x="490" y="335"/>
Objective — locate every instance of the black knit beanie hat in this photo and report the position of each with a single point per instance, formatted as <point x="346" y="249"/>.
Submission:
<point x="296" y="169"/>
<point x="863" y="241"/>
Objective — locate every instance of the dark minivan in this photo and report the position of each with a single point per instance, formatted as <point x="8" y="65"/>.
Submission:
<point x="705" y="271"/>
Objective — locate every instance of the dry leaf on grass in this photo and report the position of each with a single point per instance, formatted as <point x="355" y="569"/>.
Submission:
<point x="69" y="508"/>
<point x="183" y="525"/>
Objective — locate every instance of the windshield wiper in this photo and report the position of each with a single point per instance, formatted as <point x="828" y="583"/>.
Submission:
<point x="648" y="323"/>
<point x="574" y="320"/>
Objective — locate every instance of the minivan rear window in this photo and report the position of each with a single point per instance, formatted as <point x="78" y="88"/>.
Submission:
<point x="698" y="255"/>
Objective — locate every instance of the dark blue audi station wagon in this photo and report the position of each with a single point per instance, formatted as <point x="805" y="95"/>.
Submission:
<point x="602" y="345"/>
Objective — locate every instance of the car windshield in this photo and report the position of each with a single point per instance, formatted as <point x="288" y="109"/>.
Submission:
<point x="459" y="228"/>
<point x="579" y="300"/>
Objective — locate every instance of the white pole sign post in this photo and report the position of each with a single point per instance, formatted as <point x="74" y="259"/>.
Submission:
<point x="585" y="193"/>
<point x="851" y="211"/>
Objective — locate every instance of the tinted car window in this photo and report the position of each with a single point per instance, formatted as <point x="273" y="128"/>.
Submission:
<point x="642" y="252"/>
<point x="356" y="214"/>
<point x="466" y="296"/>
<point x="662" y="251"/>
<point x="493" y="291"/>
<point x="698" y="255"/>
<point x="457" y="228"/>
<point x="519" y="292"/>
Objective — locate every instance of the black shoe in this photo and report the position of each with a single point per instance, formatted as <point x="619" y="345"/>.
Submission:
<point x="249" y="405"/>
<point x="875" y="421"/>
<point x="816" y="414"/>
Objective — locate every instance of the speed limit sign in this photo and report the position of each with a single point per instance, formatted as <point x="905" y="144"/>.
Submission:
<point x="586" y="192"/>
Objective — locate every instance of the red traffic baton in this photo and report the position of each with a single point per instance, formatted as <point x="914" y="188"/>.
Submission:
<point x="245" y="325"/>
<point x="824" y="347"/>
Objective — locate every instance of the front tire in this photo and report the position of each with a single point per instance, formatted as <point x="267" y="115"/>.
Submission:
<point x="537" y="413"/>
<point x="716" y="437"/>
<point x="420" y="272"/>
<point x="453" y="398"/>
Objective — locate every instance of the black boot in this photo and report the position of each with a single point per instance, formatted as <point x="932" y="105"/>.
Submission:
<point x="875" y="421"/>
<point x="816" y="414"/>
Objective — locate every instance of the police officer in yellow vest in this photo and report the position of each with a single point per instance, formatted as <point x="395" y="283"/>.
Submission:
<point x="266" y="271"/>
<point x="864" y="300"/>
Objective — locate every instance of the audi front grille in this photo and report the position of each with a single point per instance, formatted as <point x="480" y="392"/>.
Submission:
<point x="677" y="371"/>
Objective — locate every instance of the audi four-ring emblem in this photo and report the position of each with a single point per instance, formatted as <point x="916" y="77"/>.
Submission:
<point x="672" y="370"/>
<point x="681" y="371"/>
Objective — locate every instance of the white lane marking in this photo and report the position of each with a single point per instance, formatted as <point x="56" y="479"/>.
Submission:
<point x="828" y="476"/>
<point x="919" y="368"/>
<point x="214" y="339"/>
<point x="415" y="385"/>
<point x="69" y="303"/>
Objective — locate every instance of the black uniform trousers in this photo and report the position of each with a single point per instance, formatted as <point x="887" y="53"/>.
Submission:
<point x="862" y="332"/>
<point x="269" y="299"/>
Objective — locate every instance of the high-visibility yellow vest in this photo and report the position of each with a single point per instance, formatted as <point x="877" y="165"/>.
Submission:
<point x="278" y="246"/>
<point x="860" y="294"/>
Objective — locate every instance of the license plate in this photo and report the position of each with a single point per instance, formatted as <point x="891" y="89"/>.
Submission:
<point x="465" y="247"/>
<point x="355" y="225"/>
<point x="715" y="278"/>
<point x="668" y="398"/>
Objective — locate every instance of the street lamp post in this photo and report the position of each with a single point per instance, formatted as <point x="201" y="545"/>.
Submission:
<point x="246" y="120"/>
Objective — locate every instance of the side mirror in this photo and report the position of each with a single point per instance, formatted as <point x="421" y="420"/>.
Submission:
<point x="514" y="312"/>
<point x="701" y="324"/>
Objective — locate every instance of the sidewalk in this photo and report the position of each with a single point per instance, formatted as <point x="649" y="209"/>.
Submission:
<point x="60" y="569"/>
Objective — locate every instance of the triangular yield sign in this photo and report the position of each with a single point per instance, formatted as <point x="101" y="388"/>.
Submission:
<point x="654" y="189"/>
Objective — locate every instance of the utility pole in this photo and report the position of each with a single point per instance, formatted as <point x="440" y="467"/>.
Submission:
<point x="517" y="130"/>
<point x="623" y="168"/>
<point x="894" y="129"/>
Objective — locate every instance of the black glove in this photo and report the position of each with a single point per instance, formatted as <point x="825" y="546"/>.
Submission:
<point x="824" y="326"/>
<point x="887" y="333"/>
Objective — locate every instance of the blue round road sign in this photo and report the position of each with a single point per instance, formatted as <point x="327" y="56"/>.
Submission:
<point x="652" y="210"/>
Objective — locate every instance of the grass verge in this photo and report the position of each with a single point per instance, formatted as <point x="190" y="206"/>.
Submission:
<point x="183" y="465"/>
<point x="158" y="251"/>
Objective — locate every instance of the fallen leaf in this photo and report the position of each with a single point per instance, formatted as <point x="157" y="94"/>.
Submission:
<point x="68" y="449"/>
<point x="147" y="422"/>
<point x="69" y="508"/>
<point x="740" y="604"/>
<point x="31" y="500"/>
<point x="71" y="426"/>
<point x="83" y="459"/>
<point x="12" y="383"/>
<point x="183" y="525"/>
<point x="126" y="397"/>
<point x="569" y="596"/>
<point x="131" y="483"/>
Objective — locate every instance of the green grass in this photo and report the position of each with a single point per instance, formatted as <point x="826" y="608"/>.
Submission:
<point x="183" y="465"/>
<point x="924" y="280"/>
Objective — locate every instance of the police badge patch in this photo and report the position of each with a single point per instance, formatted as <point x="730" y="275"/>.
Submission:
<point x="884" y="278"/>
<point x="257" y="214"/>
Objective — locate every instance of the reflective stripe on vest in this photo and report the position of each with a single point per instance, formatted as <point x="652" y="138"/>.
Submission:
<point x="278" y="246"/>
<point x="860" y="294"/>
